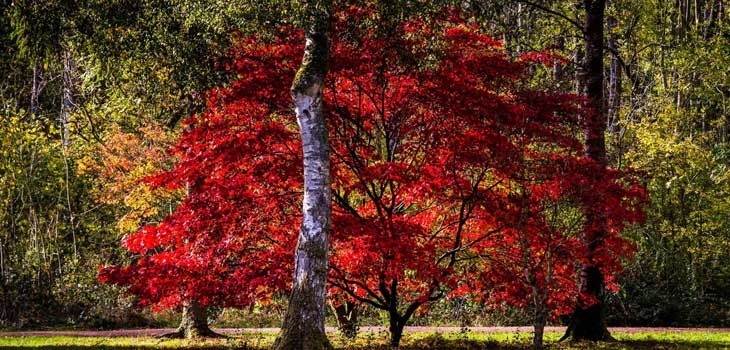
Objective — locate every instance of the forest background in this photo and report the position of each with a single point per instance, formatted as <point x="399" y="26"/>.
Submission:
<point x="95" y="93"/>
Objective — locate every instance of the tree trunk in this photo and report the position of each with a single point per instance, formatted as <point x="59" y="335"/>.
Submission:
<point x="539" y="321"/>
<point x="580" y="74"/>
<point x="347" y="313"/>
<point x="303" y="326"/>
<point x="588" y="320"/>
<point x="68" y="106"/>
<point x="396" y="328"/>
<point x="194" y="323"/>
<point x="596" y="127"/>
<point x="36" y="89"/>
<point x="67" y="101"/>
<point x="614" y="78"/>
<point x="614" y="95"/>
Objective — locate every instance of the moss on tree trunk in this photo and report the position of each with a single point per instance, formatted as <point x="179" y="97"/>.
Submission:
<point x="303" y="327"/>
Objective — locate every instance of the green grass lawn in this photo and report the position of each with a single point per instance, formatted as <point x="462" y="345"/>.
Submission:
<point x="366" y="341"/>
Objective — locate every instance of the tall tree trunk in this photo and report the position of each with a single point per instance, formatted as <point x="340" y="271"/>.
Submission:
<point x="193" y="324"/>
<point x="614" y="95"/>
<point x="580" y="74"/>
<point x="303" y="326"/>
<point x="68" y="106"/>
<point x="36" y="89"/>
<point x="614" y="78"/>
<point x="588" y="321"/>
<point x="67" y="99"/>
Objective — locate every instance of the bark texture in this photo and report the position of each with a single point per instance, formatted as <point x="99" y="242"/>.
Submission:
<point x="588" y="321"/>
<point x="303" y="326"/>
<point x="194" y="324"/>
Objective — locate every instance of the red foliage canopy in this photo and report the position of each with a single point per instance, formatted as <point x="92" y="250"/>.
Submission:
<point x="442" y="157"/>
<point x="448" y="175"/>
<point x="230" y="241"/>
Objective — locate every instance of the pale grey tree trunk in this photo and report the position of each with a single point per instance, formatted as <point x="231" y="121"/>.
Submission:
<point x="67" y="99"/>
<point x="614" y="78"/>
<point x="36" y="89"/>
<point x="615" y="128"/>
<point x="303" y="326"/>
<point x="68" y="106"/>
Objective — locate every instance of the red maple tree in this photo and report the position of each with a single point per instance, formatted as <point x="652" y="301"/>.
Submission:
<point x="534" y="262"/>
<point x="229" y="243"/>
<point x="440" y="157"/>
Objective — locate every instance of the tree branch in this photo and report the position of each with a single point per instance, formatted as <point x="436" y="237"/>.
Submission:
<point x="554" y="13"/>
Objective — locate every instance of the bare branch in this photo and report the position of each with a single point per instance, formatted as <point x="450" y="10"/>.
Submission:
<point x="554" y="13"/>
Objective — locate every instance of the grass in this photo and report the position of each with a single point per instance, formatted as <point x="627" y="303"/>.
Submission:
<point x="372" y="341"/>
<point x="249" y="341"/>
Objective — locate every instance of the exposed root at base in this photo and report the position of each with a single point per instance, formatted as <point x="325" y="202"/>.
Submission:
<point x="201" y="333"/>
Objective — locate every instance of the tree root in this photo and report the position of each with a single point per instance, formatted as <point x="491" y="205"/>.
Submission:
<point x="191" y="334"/>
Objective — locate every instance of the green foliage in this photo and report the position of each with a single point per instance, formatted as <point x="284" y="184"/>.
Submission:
<point x="49" y="234"/>
<point x="680" y="276"/>
<point x="136" y="63"/>
<point x="673" y="125"/>
<point x="150" y="60"/>
<point x="39" y="27"/>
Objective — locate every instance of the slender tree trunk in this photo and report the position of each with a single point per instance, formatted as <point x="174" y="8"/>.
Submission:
<point x="518" y="47"/>
<point x="4" y="300"/>
<point x="614" y="96"/>
<point x="580" y="74"/>
<point x="614" y="79"/>
<point x="594" y="80"/>
<point x="303" y="326"/>
<point x="68" y="106"/>
<point x="539" y="322"/>
<point x="67" y="100"/>
<point x="558" y="68"/>
<point x="36" y="89"/>
<point x="588" y="321"/>
<point x="193" y="324"/>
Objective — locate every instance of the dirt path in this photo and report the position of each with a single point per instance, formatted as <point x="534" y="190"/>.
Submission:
<point x="158" y="331"/>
